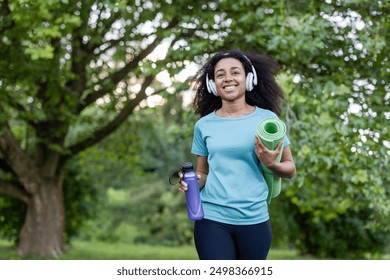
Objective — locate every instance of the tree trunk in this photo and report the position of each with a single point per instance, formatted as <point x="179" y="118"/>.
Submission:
<point x="43" y="231"/>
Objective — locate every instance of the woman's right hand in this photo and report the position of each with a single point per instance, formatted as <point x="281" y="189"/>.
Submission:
<point x="183" y="187"/>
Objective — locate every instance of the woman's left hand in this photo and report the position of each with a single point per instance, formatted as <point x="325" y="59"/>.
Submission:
<point x="266" y="156"/>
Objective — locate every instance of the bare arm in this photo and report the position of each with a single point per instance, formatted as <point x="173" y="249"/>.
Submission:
<point x="285" y="168"/>
<point x="202" y="168"/>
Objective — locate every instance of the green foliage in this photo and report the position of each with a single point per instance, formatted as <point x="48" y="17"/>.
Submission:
<point x="82" y="201"/>
<point x="331" y="239"/>
<point x="284" y="224"/>
<point x="132" y="167"/>
<point x="12" y="214"/>
<point x="150" y="213"/>
<point x="168" y="222"/>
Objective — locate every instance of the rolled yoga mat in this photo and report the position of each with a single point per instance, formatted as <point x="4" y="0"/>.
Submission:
<point x="271" y="132"/>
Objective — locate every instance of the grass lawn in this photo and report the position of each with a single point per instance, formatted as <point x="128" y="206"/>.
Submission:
<point x="82" y="250"/>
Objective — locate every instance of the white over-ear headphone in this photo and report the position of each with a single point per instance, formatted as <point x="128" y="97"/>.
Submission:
<point x="251" y="80"/>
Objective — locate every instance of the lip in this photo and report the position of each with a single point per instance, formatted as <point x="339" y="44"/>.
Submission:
<point x="231" y="86"/>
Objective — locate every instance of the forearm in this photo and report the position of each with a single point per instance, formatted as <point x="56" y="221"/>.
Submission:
<point x="285" y="169"/>
<point x="202" y="168"/>
<point x="202" y="180"/>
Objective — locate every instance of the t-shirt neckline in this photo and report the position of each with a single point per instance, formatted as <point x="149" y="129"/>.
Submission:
<point x="235" y="118"/>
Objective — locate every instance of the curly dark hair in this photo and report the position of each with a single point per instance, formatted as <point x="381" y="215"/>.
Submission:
<point x="266" y="94"/>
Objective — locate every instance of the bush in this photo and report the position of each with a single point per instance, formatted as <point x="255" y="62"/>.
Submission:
<point x="12" y="213"/>
<point x="344" y="237"/>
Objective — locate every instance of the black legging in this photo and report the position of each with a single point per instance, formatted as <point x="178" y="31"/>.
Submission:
<point x="219" y="241"/>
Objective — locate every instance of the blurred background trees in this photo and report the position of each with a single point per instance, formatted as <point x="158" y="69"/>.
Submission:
<point x="94" y="97"/>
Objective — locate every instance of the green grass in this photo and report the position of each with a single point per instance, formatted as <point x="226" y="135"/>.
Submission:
<point x="82" y="250"/>
<point x="122" y="251"/>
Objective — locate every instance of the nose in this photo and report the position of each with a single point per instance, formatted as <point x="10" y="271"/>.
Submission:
<point x="228" y="77"/>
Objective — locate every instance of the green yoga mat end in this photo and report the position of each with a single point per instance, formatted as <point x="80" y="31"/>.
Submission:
<point x="271" y="132"/>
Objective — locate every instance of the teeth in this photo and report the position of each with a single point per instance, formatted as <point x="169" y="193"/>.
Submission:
<point x="229" y="87"/>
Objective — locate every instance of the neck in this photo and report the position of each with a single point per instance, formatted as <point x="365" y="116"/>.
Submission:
<point x="235" y="109"/>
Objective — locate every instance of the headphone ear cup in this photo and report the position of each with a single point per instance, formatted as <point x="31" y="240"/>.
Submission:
<point x="249" y="81"/>
<point x="213" y="88"/>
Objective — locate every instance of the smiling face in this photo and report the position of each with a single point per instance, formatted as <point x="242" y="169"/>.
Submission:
<point x="229" y="78"/>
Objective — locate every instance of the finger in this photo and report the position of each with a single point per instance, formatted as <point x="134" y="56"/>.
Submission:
<point x="183" y="185"/>
<point x="182" y="190"/>
<point x="279" y="147"/>
<point x="260" y="143"/>
<point x="257" y="139"/>
<point x="257" y="143"/>
<point x="258" y="149"/>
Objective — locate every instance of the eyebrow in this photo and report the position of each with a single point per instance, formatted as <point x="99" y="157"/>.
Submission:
<point x="232" y="68"/>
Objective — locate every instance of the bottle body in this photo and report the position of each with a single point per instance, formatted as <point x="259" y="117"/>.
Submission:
<point x="194" y="203"/>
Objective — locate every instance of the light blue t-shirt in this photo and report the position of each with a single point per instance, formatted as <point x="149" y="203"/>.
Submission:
<point x="235" y="191"/>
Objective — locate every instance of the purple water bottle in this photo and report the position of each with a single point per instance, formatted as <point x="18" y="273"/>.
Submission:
<point x="194" y="204"/>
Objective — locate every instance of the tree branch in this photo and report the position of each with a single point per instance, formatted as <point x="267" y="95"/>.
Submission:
<point x="111" y="126"/>
<point x="106" y="23"/>
<point x="109" y="82"/>
<point x="80" y="53"/>
<point x="5" y="11"/>
<point x="116" y="77"/>
<point x="13" y="189"/>
<point x="17" y="159"/>
<point x="5" y="167"/>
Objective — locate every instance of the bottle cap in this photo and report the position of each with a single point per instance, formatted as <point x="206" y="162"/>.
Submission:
<point x="187" y="167"/>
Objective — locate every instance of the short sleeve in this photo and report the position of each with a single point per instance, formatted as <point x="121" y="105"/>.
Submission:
<point x="198" y="143"/>
<point x="286" y="141"/>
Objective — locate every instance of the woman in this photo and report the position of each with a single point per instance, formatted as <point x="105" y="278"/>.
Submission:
<point x="234" y="92"/>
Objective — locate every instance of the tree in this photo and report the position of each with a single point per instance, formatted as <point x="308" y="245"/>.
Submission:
<point x="61" y="59"/>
